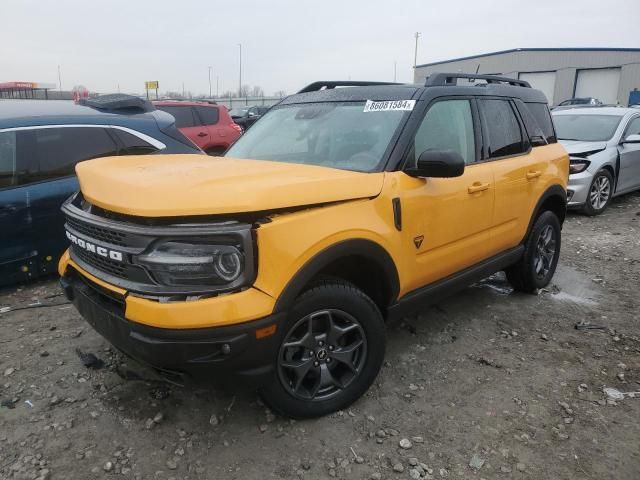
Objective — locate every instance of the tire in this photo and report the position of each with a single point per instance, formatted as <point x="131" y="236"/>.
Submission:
<point x="542" y="250"/>
<point x="600" y="193"/>
<point x="348" y="343"/>
<point x="216" y="151"/>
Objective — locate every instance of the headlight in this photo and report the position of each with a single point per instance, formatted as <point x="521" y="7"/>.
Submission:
<point x="175" y="263"/>
<point x="578" y="165"/>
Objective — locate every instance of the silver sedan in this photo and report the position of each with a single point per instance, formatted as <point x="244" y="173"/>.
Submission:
<point x="604" y="151"/>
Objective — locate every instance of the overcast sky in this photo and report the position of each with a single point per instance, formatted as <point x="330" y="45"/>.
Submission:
<point x="286" y="44"/>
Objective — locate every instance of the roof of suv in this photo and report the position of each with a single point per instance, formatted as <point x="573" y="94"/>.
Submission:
<point x="24" y="113"/>
<point x="438" y="82"/>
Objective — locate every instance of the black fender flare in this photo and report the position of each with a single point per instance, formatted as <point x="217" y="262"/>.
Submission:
<point x="347" y="248"/>
<point x="553" y="191"/>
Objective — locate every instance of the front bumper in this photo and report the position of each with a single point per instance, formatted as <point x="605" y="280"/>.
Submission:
<point x="578" y="188"/>
<point x="231" y="356"/>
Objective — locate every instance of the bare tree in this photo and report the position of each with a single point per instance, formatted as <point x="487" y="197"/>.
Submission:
<point x="245" y="90"/>
<point x="257" y="91"/>
<point x="280" y="93"/>
<point x="228" y="94"/>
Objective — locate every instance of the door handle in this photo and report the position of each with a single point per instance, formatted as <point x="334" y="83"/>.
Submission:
<point x="202" y="134"/>
<point x="533" y="174"/>
<point x="478" y="187"/>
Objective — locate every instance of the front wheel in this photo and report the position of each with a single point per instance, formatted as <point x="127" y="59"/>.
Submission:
<point x="540" y="258"/>
<point x="331" y="349"/>
<point x="600" y="193"/>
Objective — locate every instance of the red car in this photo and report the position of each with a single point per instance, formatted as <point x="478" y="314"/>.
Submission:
<point x="207" y="125"/>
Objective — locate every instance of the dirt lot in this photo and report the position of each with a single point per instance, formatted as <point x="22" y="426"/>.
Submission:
<point x="487" y="384"/>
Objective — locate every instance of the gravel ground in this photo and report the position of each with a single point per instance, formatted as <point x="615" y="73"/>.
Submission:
<point x="487" y="384"/>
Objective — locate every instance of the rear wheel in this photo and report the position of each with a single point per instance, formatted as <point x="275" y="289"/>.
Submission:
<point x="331" y="350"/>
<point x="542" y="250"/>
<point x="600" y="193"/>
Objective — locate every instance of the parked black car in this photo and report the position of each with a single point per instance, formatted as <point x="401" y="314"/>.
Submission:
<point x="40" y="144"/>
<point x="247" y="116"/>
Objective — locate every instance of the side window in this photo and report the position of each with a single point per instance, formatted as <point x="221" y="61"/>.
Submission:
<point x="183" y="115"/>
<point x="541" y="113"/>
<point x="633" y="128"/>
<point x="208" y="115"/>
<point x="8" y="159"/>
<point x="132" y="145"/>
<point x="503" y="128"/>
<point x="448" y="125"/>
<point x="57" y="150"/>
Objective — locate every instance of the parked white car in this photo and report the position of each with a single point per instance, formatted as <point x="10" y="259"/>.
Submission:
<point x="604" y="149"/>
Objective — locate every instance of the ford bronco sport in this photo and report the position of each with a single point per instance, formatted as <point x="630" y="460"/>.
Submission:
<point x="277" y="265"/>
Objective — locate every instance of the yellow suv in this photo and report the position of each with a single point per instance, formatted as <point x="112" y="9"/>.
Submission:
<point x="278" y="265"/>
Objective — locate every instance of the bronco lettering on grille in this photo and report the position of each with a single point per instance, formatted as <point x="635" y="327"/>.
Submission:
<point x="93" y="248"/>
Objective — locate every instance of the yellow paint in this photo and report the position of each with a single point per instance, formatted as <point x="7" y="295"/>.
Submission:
<point x="173" y="185"/>
<point x="250" y="304"/>
<point x="462" y="220"/>
<point x="244" y="306"/>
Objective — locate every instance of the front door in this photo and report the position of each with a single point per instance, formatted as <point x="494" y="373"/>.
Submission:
<point x="446" y="221"/>
<point x="629" y="178"/>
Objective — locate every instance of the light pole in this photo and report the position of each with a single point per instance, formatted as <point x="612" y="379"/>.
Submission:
<point x="210" y="81"/>
<point x="217" y="89"/>
<point x="240" y="76"/>
<point x="395" y="70"/>
<point x="59" y="79"/>
<point x="415" y="53"/>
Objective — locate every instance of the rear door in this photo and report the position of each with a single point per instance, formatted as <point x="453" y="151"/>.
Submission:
<point x="209" y="118"/>
<point x="518" y="171"/>
<point x="17" y="242"/>
<point x="57" y="150"/>
<point x="629" y="178"/>
<point x="189" y="124"/>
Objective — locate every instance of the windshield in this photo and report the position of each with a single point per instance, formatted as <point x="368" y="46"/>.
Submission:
<point x="239" y="112"/>
<point x="586" y="128"/>
<point x="336" y="135"/>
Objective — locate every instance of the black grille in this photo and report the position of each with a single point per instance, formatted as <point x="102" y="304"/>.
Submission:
<point x="101" y="263"/>
<point x="104" y="234"/>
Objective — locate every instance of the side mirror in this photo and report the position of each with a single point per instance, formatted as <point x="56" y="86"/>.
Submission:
<point x="438" y="164"/>
<point x="633" y="138"/>
<point x="253" y="114"/>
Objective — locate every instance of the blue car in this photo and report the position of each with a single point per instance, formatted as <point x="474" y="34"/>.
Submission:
<point x="40" y="144"/>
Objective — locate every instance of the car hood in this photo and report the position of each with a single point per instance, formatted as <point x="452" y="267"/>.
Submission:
<point x="182" y="185"/>
<point x="577" y="146"/>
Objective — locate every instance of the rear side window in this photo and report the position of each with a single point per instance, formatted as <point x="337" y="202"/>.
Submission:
<point x="183" y="115"/>
<point x="448" y="125"/>
<point x="132" y="145"/>
<point x="502" y="127"/>
<point x="541" y="113"/>
<point x="208" y="115"/>
<point x="57" y="150"/>
<point x="8" y="159"/>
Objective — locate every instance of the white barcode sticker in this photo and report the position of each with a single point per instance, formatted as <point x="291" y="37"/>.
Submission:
<point x="388" y="105"/>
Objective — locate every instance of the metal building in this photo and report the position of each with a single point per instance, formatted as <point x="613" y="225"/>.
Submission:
<point x="611" y="75"/>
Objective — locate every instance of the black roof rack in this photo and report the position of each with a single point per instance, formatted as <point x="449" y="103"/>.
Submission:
<point x="315" y="86"/>
<point x="118" y="102"/>
<point x="448" y="79"/>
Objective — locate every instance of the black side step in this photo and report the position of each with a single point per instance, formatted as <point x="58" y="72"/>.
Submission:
<point x="436" y="291"/>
